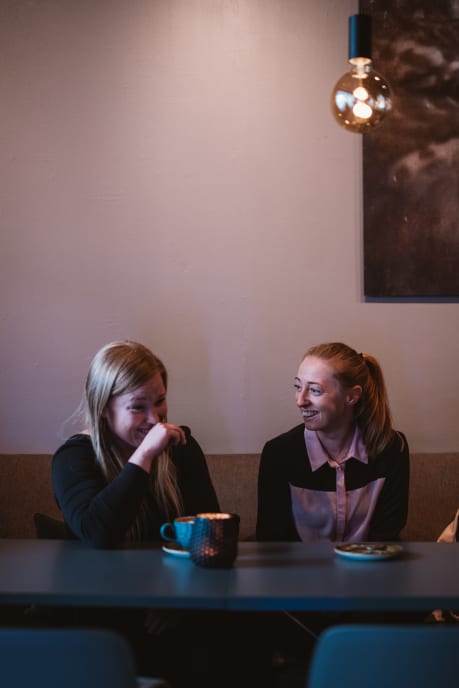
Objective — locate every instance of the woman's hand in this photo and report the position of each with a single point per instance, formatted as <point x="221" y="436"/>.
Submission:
<point x="163" y="435"/>
<point x="157" y="439"/>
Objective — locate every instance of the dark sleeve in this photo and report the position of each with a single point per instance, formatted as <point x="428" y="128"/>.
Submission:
<point x="274" y="514"/>
<point x="391" y="510"/>
<point x="96" y="512"/>
<point x="193" y="476"/>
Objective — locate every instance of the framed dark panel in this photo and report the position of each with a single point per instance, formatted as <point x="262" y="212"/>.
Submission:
<point x="411" y="162"/>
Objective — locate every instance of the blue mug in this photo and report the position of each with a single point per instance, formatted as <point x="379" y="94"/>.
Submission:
<point x="179" y="531"/>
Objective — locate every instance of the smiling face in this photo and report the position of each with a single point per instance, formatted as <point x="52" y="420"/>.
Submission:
<point x="130" y="416"/>
<point x="324" y="404"/>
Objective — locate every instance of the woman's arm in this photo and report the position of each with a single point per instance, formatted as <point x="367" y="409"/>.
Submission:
<point x="96" y="512"/>
<point x="274" y="513"/>
<point x="391" y="510"/>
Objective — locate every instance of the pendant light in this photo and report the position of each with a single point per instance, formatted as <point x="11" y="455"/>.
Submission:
<point x="361" y="98"/>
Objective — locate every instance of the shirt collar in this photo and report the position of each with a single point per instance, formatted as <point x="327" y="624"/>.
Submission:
<point x="318" y="457"/>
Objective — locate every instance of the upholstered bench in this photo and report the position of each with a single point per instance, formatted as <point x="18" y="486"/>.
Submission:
<point x="25" y="489"/>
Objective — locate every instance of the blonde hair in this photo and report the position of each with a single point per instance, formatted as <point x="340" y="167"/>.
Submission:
<point x="117" y="368"/>
<point x="372" y="412"/>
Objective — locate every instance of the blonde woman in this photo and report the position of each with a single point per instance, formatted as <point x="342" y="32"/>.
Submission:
<point x="129" y="469"/>
<point x="124" y="474"/>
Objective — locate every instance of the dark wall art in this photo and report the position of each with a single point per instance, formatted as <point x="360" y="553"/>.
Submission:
<point x="411" y="162"/>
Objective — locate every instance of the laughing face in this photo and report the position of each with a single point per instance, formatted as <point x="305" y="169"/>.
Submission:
<point x="324" y="404"/>
<point x="130" y="416"/>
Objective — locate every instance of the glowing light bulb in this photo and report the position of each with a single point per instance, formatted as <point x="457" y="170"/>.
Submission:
<point x="362" y="110"/>
<point x="361" y="98"/>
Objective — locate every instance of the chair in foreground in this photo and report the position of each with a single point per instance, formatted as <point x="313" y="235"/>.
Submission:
<point x="385" y="655"/>
<point x="74" y="658"/>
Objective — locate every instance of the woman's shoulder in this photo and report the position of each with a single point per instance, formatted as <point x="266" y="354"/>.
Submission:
<point x="186" y="430"/>
<point x="291" y="438"/>
<point x="397" y="448"/>
<point x="399" y="441"/>
<point x="191" y="448"/>
<point x="79" y="441"/>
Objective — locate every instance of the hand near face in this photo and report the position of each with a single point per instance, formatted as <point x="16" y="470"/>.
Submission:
<point x="161" y="436"/>
<point x="136" y="420"/>
<point x="158" y="438"/>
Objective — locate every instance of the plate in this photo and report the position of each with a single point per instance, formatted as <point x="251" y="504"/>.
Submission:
<point x="176" y="550"/>
<point x="370" y="551"/>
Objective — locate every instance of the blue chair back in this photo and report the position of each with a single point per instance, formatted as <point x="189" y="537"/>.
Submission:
<point x="65" y="658"/>
<point x="386" y="656"/>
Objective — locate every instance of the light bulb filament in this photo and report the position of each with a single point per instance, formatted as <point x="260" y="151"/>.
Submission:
<point x="362" y="110"/>
<point x="360" y="93"/>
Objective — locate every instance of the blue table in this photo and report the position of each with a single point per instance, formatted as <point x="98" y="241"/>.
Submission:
<point x="300" y="576"/>
<point x="266" y="576"/>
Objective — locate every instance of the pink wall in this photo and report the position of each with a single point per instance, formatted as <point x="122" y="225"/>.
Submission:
<point x="171" y="172"/>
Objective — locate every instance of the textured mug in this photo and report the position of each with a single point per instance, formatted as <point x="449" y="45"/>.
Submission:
<point x="214" y="539"/>
<point x="179" y="531"/>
